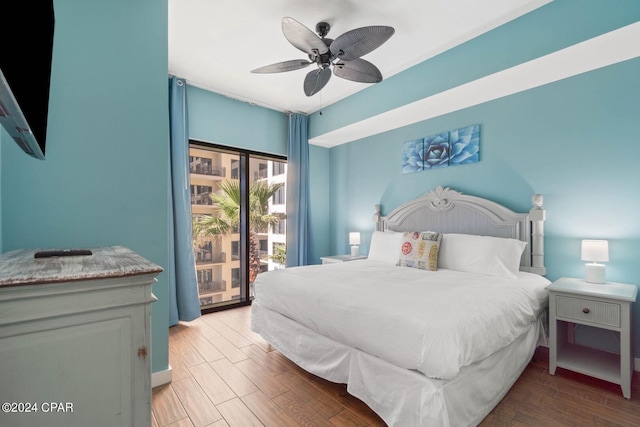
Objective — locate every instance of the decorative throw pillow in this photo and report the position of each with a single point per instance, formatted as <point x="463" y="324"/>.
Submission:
<point x="420" y="250"/>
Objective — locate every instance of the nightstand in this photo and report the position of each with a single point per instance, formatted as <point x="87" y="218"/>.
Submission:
<point x="606" y="306"/>
<point x="340" y="258"/>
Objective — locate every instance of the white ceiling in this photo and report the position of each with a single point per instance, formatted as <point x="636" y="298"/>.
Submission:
<point x="214" y="44"/>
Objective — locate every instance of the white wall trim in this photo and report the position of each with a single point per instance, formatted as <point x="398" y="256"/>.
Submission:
<point x="161" y="377"/>
<point x="607" y="49"/>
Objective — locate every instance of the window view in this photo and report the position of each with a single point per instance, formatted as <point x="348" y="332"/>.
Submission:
<point x="220" y="181"/>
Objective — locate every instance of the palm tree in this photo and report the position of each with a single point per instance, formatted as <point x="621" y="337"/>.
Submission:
<point x="227" y="202"/>
<point x="279" y="254"/>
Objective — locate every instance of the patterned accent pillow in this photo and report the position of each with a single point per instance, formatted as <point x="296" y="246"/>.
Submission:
<point x="420" y="250"/>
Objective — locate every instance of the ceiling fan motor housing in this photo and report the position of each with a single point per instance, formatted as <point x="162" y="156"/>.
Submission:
<point x="323" y="60"/>
<point x="322" y="28"/>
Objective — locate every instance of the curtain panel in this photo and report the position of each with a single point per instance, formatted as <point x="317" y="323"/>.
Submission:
<point x="298" y="191"/>
<point x="183" y="283"/>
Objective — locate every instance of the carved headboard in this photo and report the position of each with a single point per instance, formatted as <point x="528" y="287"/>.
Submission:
<point x="448" y="211"/>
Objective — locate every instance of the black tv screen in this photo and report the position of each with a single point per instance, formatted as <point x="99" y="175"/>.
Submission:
<point x="25" y="62"/>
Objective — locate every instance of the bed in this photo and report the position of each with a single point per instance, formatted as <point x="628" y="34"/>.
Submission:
<point x="435" y="325"/>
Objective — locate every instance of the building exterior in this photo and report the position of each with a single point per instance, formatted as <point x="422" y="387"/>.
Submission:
<point x="218" y="257"/>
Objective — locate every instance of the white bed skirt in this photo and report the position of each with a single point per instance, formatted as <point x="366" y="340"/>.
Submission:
<point x="399" y="396"/>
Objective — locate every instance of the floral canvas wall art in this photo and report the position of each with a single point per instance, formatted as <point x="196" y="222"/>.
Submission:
<point x="465" y="145"/>
<point x="436" y="151"/>
<point x="452" y="148"/>
<point x="413" y="156"/>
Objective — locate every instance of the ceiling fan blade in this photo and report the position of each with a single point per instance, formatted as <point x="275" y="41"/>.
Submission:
<point x="358" y="70"/>
<point x="316" y="80"/>
<point x="356" y="43"/>
<point x="279" y="67"/>
<point x="302" y="37"/>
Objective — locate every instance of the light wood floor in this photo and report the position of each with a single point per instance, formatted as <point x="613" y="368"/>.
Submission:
<point x="226" y="375"/>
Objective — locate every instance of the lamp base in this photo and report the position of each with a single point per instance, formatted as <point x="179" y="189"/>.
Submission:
<point x="355" y="250"/>
<point x="594" y="273"/>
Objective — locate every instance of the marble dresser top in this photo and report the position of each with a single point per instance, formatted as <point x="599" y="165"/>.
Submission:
<point x="22" y="267"/>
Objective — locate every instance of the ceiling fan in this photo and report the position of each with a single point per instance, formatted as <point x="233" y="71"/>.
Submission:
<point x="343" y="53"/>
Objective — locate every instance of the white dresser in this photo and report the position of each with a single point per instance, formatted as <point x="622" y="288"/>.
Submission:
<point x="75" y="338"/>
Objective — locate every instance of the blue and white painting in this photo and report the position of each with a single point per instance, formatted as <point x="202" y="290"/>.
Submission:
<point x="464" y="145"/>
<point x="412" y="156"/>
<point x="436" y="151"/>
<point x="451" y="148"/>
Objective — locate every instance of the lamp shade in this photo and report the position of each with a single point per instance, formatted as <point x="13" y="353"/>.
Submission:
<point x="354" y="238"/>
<point x="595" y="250"/>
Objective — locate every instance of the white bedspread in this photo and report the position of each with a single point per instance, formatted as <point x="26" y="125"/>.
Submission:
<point x="434" y="322"/>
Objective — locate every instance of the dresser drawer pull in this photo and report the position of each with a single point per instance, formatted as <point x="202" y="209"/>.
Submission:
<point x="586" y="310"/>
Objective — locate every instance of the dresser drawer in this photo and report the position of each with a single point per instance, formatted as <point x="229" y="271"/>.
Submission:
<point x="602" y="313"/>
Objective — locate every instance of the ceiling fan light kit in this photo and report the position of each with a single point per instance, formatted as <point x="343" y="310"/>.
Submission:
<point x="342" y="55"/>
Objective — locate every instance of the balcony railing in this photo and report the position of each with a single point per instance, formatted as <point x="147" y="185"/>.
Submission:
<point x="204" y="258"/>
<point x="207" y="170"/>
<point x="261" y="174"/>
<point x="210" y="300"/>
<point x="211" y="258"/>
<point x="213" y="286"/>
<point x="201" y="199"/>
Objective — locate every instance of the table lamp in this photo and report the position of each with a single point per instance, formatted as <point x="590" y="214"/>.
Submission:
<point x="595" y="251"/>
<point x="354" y="241"/>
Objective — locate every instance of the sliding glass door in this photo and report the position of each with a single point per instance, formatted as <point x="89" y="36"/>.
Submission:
<point x="238" y="206"/>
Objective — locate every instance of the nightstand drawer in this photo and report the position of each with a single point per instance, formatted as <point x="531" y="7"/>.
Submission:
<point x="602" y="313"/>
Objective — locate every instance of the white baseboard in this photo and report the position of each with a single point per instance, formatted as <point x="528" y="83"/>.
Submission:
<point x="161" y="377"/>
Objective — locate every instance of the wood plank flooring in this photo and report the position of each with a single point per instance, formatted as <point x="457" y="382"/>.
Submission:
<point x="226" y="375"/>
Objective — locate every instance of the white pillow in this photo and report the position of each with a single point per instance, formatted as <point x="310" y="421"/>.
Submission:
<point x="385" y="246"/>
<point x="494" y="256"/>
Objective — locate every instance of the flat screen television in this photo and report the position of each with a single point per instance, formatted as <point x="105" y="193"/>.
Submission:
<point x="25" y="73"/>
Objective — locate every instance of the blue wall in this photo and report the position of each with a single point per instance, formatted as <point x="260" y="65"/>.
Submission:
<point x="104" y="180"/>
<point x="4" y="135"/>
<point x="320" y="207"/>
<point x="571" y="140"/>
<point x="559" y="24"/>
<point x="575" y="141"/>
<point x="217" y="119"/>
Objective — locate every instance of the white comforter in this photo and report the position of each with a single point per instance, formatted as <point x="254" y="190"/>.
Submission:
<point x="434" y="322"/>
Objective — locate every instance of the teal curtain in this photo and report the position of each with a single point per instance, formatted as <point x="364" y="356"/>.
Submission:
<point x="183" y="283"/>
<point x="298" y="191"/>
